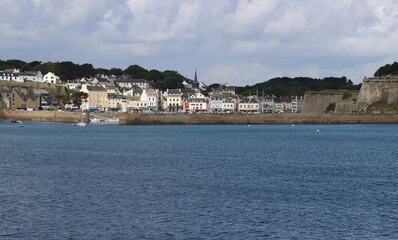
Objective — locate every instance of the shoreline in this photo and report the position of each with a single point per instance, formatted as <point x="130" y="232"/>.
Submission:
<point x="216" y="119"/>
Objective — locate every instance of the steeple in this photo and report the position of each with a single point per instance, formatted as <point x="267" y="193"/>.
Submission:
<point x="195" y="83"/>
<point x="196" y="77"/>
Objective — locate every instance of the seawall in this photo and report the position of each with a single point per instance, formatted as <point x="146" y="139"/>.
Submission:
<point x="299" y="118"/>
<point x="41" y="116"/>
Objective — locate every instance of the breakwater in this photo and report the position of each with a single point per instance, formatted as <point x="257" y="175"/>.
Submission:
<point x="298" y="118"/>
<point x="169" y="119"/>
<point x="41" y="116"/>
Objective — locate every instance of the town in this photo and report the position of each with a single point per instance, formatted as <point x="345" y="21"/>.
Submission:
<point x="104" y="93"/>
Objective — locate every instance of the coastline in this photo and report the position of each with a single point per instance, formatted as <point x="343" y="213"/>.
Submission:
<point x="183" y="119"/>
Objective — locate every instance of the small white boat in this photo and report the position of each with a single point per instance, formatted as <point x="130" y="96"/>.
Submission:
<point x="80" y="124"/>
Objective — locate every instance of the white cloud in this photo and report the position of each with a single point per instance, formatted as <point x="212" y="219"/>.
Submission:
<point x="243" y="40"/>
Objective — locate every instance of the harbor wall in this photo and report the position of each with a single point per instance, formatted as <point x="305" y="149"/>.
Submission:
<point x="41" y="116"/>
<point x="378" y="89"/>
<point x="297" y="118"/>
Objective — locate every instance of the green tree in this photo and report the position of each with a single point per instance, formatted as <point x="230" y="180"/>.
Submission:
<point x="136" y="72"/>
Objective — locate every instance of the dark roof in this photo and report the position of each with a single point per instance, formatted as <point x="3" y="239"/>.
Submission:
<point x="103" y="80"/>
<point x="132" y="81"/>
<point x="248" y="100"/>
<point x="96" y="88"/>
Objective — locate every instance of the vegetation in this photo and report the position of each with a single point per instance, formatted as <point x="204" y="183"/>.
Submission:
<point x="347" y="95"/>
<point x="331" y="108"/>
<point x="297" y="86"/>
<point x="388" y="69"/>
<point x="68" y="71"/>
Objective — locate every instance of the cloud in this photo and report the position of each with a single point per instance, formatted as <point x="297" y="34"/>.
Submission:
<point x="245" y="41"/>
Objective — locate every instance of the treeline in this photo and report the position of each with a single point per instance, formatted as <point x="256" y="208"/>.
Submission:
<point x="388" y="69"/>
<point x="285" y="86"/>
<point x="69" y="71"/>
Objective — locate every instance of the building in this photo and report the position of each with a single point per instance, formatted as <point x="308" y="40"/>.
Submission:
<point x="129" y="83"/>
<point x="249" y="105"/>
<point x="97" y="97"/>
<point x="51" y="78"/>
<point x="151" y="97"/>
<point x="216" y="103"/>
<point x="10" y="75"/>
<point x="297" y="104"/>
<point x="114" y="102"/>
<point x="174" y="101"/>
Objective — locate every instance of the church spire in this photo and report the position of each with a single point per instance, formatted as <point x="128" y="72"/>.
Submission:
<point x="196" y="77"/>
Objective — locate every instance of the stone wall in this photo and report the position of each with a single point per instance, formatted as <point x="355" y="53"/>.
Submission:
<point x="294" y="118"/>
<point x="378" y="89"/>
<point x="41" y="116"/>
<point x="317" y="102"/>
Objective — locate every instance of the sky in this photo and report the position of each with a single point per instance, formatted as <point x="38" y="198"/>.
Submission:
<point x="235" y="42"/>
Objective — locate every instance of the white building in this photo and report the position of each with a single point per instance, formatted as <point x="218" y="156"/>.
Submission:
<point x="249" y="105"/>
<point x="51" y="78"/>
<point x="151" y="97"/>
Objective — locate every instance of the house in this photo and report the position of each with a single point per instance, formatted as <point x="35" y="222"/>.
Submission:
<point x="97" y="96"/>
<point x="51" y="78"/>
<point x="114" y="102"/>
<point x="174" y="100"/>
<point x="129" y="83"/>
<point x="297" y="104"/>
<point x="102" y="81"/>
<point x="216" y="103"/>
<point x="196" y="103"/>
<point x="267" y="104"/>
<point x="31" y="76"/>
<point x="151" y="97"/>
<point x="11" y="75"/>
<point x="134" y="104"/>
<point x="229" y="105"/>
<point x="249" y="105"/>
<point x="20" y="100"/>
<point x="72" y="84"/>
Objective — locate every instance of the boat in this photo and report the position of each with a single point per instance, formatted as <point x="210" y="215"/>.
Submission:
<point x="80" y="124"/>
<point x="15" y="121"/>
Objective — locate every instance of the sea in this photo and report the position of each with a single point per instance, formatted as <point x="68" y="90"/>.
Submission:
<point x="59" y="181"/>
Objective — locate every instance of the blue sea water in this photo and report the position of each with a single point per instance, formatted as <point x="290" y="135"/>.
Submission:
<point x="198" y="182"/>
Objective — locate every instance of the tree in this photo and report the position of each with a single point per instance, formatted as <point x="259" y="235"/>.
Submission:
<point x="136" y="72"/>
<point x="77" y="97"/>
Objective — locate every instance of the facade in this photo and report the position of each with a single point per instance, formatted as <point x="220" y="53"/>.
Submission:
<point x="97" y="96"/>
<point x="134" y="104"/>
<point x="196" y="103"/>
<point x="229" y="105"/>
<point x="51" y="78"/>
<point x="216" y="103"/>
<point x="10" y="75"/>
<point x="114" y="102"/>
<point x="174" y="100"/>
<point x="249" y="105"/>
<point x="151" y="97"/>
<point x="19" y="100"/>
<point x="297" y="104"/>
<point x="129" y="83"/>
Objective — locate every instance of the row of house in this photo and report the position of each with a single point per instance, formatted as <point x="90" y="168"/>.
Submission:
<point x="139" y="95"/>
<point x="21" y="99"/>
<point x="14" y="75"/>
